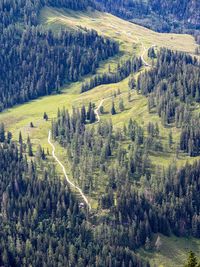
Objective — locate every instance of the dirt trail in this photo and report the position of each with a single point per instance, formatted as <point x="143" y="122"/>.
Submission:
<point x="66" y="176"/>
<point x="98" y="120"/>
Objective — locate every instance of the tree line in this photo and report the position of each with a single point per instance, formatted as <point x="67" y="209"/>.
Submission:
<point x="172" y="87"/>
<point x="141" y="200"/>
<point x="163" y="16"/>
<point x="123" y="71"/>
<point x="35" y="61"/>
<point x="41" y="222"/>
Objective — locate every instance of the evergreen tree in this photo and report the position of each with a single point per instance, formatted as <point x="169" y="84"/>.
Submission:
<point x="45" y="116"/>
<point x="132" y="83"/>
<point x="121" y="105"/>
<point x="113" y="111"/>
<point x="2" y="132"/>
<point x="192" y="260"/>
<point x="170" y="139"/>
<point x="83" y="115"/>
<point x="92" y="116"/>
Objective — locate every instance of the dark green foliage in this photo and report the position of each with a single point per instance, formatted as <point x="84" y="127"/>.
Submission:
<point x="34" y="63"/>
<point x="168" y="79"/>
<point x="151" y="53"/>
<point x="164" y="204"/>
<point x="113" y="111"/>
<point x="122" y="72"/>
<point x="29" y="146"/>
<point x="192" y="260"/>
<point x="45" y="116"/>
<point x="159" y="15"/>
<point x="171" y="86"/>
<point x="190" y="138"/>
<point x="132" y="83"/>
<point x="31" y="125"/>
<point x="2" y="132"/>
<point x="41" y="224"/>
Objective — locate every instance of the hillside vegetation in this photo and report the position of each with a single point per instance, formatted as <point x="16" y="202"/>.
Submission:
<point x="28" y="119"/>
<point x="160" y="15"/>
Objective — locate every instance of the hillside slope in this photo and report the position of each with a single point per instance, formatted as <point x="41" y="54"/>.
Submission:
<point x="164" y="16"/>
<point x="134" y="40"/>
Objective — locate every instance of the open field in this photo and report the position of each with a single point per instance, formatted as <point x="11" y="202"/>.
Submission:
<point x="113" y="27"/>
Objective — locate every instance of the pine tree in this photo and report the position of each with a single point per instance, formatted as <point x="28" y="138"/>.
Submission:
<point x="89" y="111"/>
<point x="192" y="260"/>
<point x="113" y="111"/>
<point x="20" y="138"/>
<point x="92" y="116"/>
<point x="2" y="132"/>
<point x="9" y="137"/>
<point x="121" y="105"/>
<point x="170" y="139"/>
<point x="132" y="83"/>
<point x="45" y="116"/>
<point x="30" y="151"/>
<point x="83" y="115"/>
<point x="101" y="110"/>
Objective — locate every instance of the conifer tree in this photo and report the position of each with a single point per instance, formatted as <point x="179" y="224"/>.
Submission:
<point x="113" y="111"/>
<point x="121" y="105"/>
<point x="2" y="132"/>
<point x="192" y="260"/>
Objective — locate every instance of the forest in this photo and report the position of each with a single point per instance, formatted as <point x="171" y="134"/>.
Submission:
<point x="169" y="200"/>
<point x="36" y="62"/>
<point x="122" y="71"/>
<point x="172" y="87"/>
<point x="159" y="15"/>
<point x="41" y="223"/>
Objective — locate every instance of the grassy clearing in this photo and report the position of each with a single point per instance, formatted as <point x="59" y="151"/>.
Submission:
<point x="173" y="251"/>
<point x="131" y="37"/>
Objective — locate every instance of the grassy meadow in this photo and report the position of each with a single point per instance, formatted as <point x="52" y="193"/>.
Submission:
<point x="173" y="251"/>
<point x="133" y="39"/>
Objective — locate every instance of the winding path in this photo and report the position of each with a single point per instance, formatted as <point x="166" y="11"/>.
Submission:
<point x="63" y="167"/>
<point x="96" y="111"/>
<point x="144" y="51"/>
<point x="66" y="176"/>
<point x="98" y="120"/>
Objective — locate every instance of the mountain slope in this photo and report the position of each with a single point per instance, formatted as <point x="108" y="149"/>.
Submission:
<point x="164" y="16"/>
<point x="134" y="41"/>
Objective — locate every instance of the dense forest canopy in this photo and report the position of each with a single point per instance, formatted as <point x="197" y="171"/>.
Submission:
<point x="172" y="86"/>
<point x="35" y="62"/>
<point x="41" y="223"/>
<point x="160" y="15"/>
<point x="169" y="200"/>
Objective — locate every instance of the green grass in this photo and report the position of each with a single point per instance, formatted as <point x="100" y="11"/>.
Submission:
<point x="130" y="37"/>
<point x="173" y="251"/>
